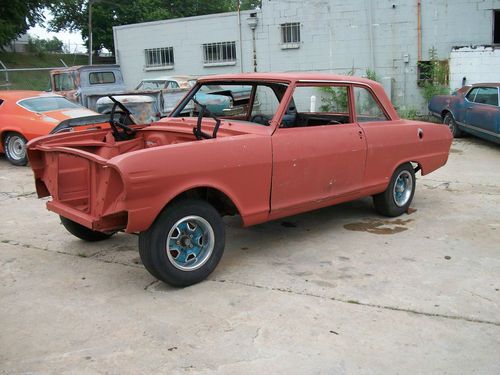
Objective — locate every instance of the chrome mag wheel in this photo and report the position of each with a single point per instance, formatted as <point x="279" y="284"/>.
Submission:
<point x="403" y="188"/>
<point x="190" y="243"/>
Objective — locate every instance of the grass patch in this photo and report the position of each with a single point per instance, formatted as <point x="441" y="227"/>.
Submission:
<point x="36" y="80"/>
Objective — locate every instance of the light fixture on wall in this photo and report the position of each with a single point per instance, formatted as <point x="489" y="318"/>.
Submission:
<point x="252" y="22"/>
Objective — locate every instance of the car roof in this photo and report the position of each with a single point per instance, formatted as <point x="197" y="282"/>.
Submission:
<point x="486" y="84"/>
<point x="84" y="67"/>
<point x="170" y="78"/>
<point x="16" y="95"/>
<point x="285" y="77"/>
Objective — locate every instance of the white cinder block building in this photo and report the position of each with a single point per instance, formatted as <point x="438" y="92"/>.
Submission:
<point x="387" y="36"/>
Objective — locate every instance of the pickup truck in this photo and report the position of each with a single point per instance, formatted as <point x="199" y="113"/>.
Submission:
<point x="86" y="84"/>
<point x="173" y="180"/>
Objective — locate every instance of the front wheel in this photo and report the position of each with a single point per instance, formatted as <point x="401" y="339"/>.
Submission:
<point x="396" y="199"/>
<point x="14" y="146"/>
<point x="184" y="244"/>
<point x="84" y="233"/>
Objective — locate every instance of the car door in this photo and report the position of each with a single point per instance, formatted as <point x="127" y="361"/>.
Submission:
<point x="483" y="112"/>
<point x="318" y="151"/>
<point x="64" y="84"/>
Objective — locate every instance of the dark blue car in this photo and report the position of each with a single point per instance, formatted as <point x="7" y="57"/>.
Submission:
<point x="472" y="109"/>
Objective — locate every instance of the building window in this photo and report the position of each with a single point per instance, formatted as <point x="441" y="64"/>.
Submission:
<point x="424" y="70"/>
<point x="159" y="57"/>
<point x="496" y="26"/>
<point x="433" y="71"/>
<point x="290" y="35"/>
<point x="220" y="53"/>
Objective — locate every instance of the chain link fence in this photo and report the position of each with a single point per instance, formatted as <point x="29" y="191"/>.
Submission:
<point x="25" y="79"/>
<point x="38" y="78"/>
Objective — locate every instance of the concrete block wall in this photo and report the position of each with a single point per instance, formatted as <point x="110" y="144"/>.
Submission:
<point x="336" y="36"/>
<point x="479" y="64"/>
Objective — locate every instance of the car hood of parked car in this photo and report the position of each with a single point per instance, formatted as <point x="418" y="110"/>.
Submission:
<point x="64" y="114"/>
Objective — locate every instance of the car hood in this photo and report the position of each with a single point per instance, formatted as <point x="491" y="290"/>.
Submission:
<point x="64" y="114"/>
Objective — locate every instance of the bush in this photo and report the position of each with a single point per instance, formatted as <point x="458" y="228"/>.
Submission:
<point x="38" y="45"/>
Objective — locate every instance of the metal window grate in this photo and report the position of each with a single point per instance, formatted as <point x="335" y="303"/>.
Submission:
<point x="290" y="32"/>
<point x="159" y="57"/>
<point x="220" y="52"/>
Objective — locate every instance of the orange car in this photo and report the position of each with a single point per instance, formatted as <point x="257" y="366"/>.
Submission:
<point x="25" y="115"/>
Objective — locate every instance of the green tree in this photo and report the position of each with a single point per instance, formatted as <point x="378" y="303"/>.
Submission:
<point x="73" y="14"/>
<point x="45" y="45"/>
<point x="17" y="16"/>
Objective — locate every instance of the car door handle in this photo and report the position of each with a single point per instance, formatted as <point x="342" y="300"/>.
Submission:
<point x="360" y="133"/>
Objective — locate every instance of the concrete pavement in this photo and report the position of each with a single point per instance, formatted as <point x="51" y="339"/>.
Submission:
<point x="339" y="290"/>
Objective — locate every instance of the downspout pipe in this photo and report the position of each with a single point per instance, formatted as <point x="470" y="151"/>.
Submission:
<point x="419" y="29"/>
<point x="370" y="33"/>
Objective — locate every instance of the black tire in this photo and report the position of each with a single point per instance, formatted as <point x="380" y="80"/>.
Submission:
<point x="173" y="228"/>
<point x="14" y="146"/>
<point x="393" y="202"/>
<point x="452" y="125"/>
<point x="84" y="233"/>
<point x="145" y="255"/>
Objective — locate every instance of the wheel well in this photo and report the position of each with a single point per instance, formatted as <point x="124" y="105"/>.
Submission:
<point x="416" y="166"/>
<point x="444" y="113"/>
<point x="221" y="202"/>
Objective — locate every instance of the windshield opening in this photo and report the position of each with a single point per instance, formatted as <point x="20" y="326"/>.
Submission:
<point x="255" y="103"/>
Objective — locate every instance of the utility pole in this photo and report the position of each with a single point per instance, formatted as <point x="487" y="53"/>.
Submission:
<point x="90" y="31"/>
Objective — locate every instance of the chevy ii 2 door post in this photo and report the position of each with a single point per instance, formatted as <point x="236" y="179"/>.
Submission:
<point x="301" y="142"/>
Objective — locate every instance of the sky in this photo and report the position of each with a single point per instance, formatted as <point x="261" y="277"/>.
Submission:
<point x="72" y="40"/>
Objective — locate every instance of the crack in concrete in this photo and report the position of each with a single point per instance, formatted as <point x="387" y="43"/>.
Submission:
<point x="459" y="183"/>
<point x="29" y="246"/>
<point x="5" y="195"/>
<point x="354" y="302"/>
<point x="461" y="187"/>
<point x="282" y="290"/>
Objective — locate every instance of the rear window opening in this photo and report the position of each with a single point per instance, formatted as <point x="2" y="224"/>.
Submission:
<point x="100" y="78"/>
<point x="47" y="104"/>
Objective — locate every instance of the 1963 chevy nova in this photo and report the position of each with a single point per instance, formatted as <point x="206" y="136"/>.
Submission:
<point x="301" y="142"/>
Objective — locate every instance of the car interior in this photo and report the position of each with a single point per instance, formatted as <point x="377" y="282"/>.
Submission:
<point x="261" y="105"/>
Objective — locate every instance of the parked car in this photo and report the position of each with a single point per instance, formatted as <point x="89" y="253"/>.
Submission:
<point x="214" y="97"/>
<point x="472" y="109"/>
<point x="173" y="180"/>
<point x="25" y="115"/>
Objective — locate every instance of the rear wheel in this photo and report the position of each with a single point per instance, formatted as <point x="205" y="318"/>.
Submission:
<point x="396" y="199"/>
<point x="452" y="125"/>
<point x="184" y="244"/>
<point x="14" y="146"/>
<point x="84" y="233"/>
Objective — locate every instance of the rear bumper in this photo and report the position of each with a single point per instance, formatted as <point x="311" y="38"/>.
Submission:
<point x="108" y="223"/>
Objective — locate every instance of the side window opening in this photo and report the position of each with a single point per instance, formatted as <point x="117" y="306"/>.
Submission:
<point x="367" y="108"/>
<point x="316" y="106"/>
<point x="471" y="96"/>
<point x="487" y="95"/>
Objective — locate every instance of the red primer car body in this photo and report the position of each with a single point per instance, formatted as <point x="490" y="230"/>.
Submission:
<point x="259" y="172"/>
